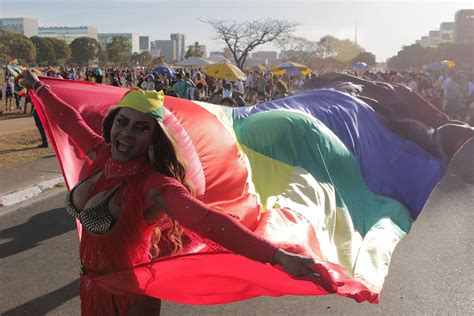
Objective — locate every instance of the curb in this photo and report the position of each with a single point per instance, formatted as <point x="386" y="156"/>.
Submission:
<point x="28" y="192"/>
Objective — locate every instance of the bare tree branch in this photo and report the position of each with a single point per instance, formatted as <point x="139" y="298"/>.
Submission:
<point x="242" y="38"/>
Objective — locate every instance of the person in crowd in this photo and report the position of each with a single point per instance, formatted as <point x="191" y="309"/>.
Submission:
<point x="181" y="87"/>
<point x="136" y="182"/>
<point x="7" y="93"/>
<point x="281" y="90"/>
<point x="452" y="92"/>
<point x="148" y="84"/>
<point x="227" y="91"/>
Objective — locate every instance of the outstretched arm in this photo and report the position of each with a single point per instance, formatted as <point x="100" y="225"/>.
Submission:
<point x="67" y="117"/>
<point x="227" y="231"/>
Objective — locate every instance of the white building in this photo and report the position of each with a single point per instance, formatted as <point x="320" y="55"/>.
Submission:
<point x="180" y="45"/>
<point x="23" y="26"/>
<point x="144" y="44"/>
<point x="133" y="38"/>
<point x="425" y="41"/>
<point x="446" y="30"/>
<point x="434" y="38"/>
<point x="164" y="48"/>
<point x="68" y="33"/>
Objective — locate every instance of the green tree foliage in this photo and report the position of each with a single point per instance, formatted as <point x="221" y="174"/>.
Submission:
<point x="17" y="46"/>
<point x="119" y="51"/>
<point x="142" y="59"/>
<point x="365" y="57"/>
<point x="194" y="51"/>
<point x="343" y="50"/>
<point x="84" y="50"/>
<point x="416" y="56"/>
<point x="45" y="54"/>
<point x="61" y="49"/>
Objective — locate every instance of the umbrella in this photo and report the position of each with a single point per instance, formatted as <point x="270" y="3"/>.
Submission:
<point x="164" y="70"/>
<point x="292" y="65"/>
<point x="194" y="61"/>
<point x="359" y="65"/>
<point x="224" y="71"/>
<point x="439" y="65"/>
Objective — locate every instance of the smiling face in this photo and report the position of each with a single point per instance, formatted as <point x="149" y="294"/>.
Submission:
<point x="131" y="134"/>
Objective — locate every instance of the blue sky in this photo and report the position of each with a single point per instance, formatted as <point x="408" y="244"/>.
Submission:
<point x="383" y="26"/>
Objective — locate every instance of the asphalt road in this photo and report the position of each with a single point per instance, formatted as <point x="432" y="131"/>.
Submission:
<point x="430" y="273"/>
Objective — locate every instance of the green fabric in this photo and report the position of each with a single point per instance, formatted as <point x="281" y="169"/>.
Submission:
<point x="300" y="140"/>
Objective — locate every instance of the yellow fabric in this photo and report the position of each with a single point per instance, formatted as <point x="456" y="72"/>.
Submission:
<point x="148" y="102"/>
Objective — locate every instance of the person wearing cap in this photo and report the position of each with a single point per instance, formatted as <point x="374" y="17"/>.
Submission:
<point x="135" y="183"/>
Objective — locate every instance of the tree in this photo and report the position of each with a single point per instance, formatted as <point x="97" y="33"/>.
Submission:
<point x="45" y="54"/>
<point x="142" y="59"/>
<point x="61" y="49"/>
<point x="343" y="50"/>
<point x="84" y="50"/>
<point x="194" y="51"/>
<point x="119" y="51"/>
<point x="242" y="38"/>
<point x="298" y="49"/>
<point x="18" y="46"/>
<point x="365" y="57"/>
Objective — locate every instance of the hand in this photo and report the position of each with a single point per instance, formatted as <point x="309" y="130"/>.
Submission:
<point x="27" y="79"/>
<point x="296" y="265"/>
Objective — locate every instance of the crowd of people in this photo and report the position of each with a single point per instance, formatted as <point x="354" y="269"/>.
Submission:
<point x="449" y="90"/>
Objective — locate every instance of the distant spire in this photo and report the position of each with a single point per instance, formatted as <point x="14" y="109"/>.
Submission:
<point x="355" y="37"/>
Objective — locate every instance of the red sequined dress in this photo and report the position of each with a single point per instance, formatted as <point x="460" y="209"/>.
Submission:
<point x="127" y="244"/>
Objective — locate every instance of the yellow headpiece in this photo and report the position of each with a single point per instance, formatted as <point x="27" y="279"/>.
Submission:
<point x="148" y="102"/>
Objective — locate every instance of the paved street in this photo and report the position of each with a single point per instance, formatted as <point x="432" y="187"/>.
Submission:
<point x="17" y="125"/>
<point x="430" y="274"/>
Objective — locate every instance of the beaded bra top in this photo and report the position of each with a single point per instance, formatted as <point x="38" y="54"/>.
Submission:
<point x="96" y="219"/>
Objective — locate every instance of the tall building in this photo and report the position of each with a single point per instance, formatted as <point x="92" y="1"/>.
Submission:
<point x="133" y="38"/>
<point x="180" y="45"/>
<point x="425" y="41"/>
<point x="164" y="48"/>
<point x="464" y="27"/>
<point x="144" y="44"/>
<point x="23" y="26"/>
<point x="446" y="30"/>
<point x="434" y="38"/>
<point x="67" y="33"/>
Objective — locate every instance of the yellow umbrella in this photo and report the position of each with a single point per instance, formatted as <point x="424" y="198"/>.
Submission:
<point x="292" y="65"/>
<point x="224" y="71"/>
<point x="449" y="63"/>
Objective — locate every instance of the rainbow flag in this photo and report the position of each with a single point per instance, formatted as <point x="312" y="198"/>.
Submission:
<point x="318" y="173"/>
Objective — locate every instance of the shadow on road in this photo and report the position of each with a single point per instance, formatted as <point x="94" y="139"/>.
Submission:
<point x="46" y="303"/>
<point x="38" y="228"/>
<point x="7" y="151"/>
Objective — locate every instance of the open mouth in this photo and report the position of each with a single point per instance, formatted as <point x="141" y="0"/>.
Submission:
<point x="123" y="146"/>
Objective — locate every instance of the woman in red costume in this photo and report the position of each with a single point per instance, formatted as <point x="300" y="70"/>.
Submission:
<point x="135" y="183"/>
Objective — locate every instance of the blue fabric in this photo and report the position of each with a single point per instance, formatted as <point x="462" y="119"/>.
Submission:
<point x="391" y="166"/>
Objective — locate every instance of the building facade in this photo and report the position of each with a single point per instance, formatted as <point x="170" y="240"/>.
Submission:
<point x="67" y="33"/>
<point x="164" y="48"/>
<point x="144" y="44"/>
<point x="23" y="26"/>
<point x="133" y="38"/>
<point x="464" y="27"/>
<point x="446" y="30"/>
<point x="434" y="38"/>
<point x="180" y="40"/>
